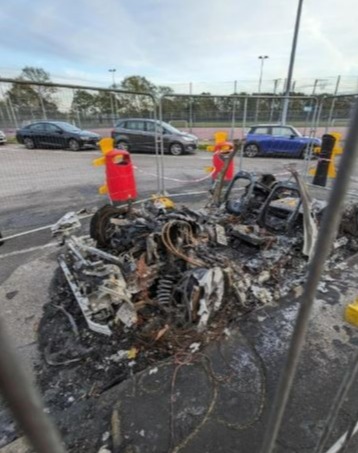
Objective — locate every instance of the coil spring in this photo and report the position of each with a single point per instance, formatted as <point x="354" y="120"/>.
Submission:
<point x="165" y="289"/>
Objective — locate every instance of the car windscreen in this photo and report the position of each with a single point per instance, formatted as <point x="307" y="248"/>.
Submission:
<point x="171" y="129"/>
<point x="68" y="127"/>
<point x="298" y="133"/>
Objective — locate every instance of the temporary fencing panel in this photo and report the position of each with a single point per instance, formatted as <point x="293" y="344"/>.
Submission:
<point x="17" y="186"/>
<point x="333" y="117"/>
<point x="48" y="169"/>
<point x="205" y="115"/>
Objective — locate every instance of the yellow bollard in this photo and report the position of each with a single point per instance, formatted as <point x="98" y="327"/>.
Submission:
<point x="103" y="190"/>
<point x="106" y="145"/>
<point x="220" y="136"/>
<point x="337" y="150"/>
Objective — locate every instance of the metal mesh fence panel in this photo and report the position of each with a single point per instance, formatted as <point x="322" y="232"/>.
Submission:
<point x="49" y="171"/>
<point x="51" y="135"/>
<point x="256" y="120"/>
<point x="333" y="117"/>
<point x="307" y="86"/>
<point x="199" y="118"/>
<point x="335" y="113"/>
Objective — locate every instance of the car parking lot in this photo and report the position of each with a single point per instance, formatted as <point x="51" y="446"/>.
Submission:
<point x="42" y="183"/>
<point x="39" y="186"/>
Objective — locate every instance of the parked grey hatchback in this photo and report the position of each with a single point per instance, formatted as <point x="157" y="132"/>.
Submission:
<point x="136" y="134"/>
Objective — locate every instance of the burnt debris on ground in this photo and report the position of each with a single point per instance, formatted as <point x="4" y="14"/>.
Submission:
<point x="154" y="281"/>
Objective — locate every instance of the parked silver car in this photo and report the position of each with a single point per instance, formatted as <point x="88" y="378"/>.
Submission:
<point x="137" y="134"/>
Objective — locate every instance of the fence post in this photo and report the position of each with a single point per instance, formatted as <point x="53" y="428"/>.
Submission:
<point x="42" y="106"/>
<point x="314" y="125"/>
<point x="233" y="112"/>
<point x="112" y="108"/>
<point x="273" y="99"/>
<point x="190" y="108"/>
<point x="160" y="168"/>
<point x="13" y="113"/>
<point x="326" y="234"/>
<point x="24" y="400"/>
<point x="243" y="136"/>
<point x="329" y="120"/>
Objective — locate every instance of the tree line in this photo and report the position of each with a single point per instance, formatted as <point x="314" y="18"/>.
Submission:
<point x="33" y="102"/>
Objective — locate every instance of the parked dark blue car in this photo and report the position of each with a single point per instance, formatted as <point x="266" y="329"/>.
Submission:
<point x="273" y="139"/>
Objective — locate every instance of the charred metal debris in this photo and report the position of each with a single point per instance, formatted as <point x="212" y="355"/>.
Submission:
<point x="157" y="271"/>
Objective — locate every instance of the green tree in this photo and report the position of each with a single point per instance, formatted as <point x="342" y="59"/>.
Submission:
<point x="136" y="105"/>
<point x="32" y="101"/>
<point x="44" y="93"/>
<point x="139" y="84"/>
<point x="163" y="90"/>
<point x="84" y="102"/>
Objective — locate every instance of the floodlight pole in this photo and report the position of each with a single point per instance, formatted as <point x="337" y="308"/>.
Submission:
<point x="292" y="62"/>
<point x="112" y="97"/>
<point x="262" y="59"/>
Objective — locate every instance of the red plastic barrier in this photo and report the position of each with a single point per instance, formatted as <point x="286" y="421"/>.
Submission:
<point x="222" y="152"/>
<point x="120" y="176"/>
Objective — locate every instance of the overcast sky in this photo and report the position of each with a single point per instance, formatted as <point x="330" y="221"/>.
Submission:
<point x="178" y="40"/>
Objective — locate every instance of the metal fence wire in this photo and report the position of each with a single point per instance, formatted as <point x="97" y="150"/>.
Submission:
<point x="110" y="111"/>
<point x="335" y="112"/>
<point x="90" y="109"/>
<point x="23" y="103"/>
<point x="234" y="115"/>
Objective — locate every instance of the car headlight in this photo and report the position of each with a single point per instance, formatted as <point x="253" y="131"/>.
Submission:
<point x="188" y="139"/>
<point x="84" y="137"/>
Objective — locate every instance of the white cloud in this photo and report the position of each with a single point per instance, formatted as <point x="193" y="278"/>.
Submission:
<point x="180" y="40"/>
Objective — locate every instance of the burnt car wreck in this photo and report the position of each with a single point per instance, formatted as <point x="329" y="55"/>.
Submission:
<point x="156" y="271"/>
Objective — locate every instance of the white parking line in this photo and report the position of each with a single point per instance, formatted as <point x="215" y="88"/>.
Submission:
<point x="31" y="249"/>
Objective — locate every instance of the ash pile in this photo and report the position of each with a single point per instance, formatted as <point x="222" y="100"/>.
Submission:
<point x="158" y="270"/>
<point x="153" y="281"/>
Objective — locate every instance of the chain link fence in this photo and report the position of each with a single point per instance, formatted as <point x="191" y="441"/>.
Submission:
<point x="33" y="181"/>
<point x="255" y="120"/>
<point x="48" y="173"/>
<point x="47" y="168"/>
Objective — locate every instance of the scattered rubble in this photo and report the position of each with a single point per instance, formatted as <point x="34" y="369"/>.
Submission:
<point x="152" y="281"/>
<point x="155" y="270"/>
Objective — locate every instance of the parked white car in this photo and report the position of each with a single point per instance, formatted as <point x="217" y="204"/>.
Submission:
<point x="2" y="138"/>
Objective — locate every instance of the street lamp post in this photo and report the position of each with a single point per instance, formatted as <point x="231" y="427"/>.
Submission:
<point x="315" y="85"/>
<point x="330" y="116"/>
<point x="262" y="58"/>
<point x="113" y="71"/>
<point x="292" y="62"/>
<point x="275" y="86"/>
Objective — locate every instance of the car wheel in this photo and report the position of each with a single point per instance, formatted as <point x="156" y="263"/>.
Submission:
<point x="176" y="149"/>
<point x="73" y="145"/>
<point x="122" y="144"/>
<point x="29" y="143"/>
<point x="101" y="227"/>
<point x="251" y="150"/>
